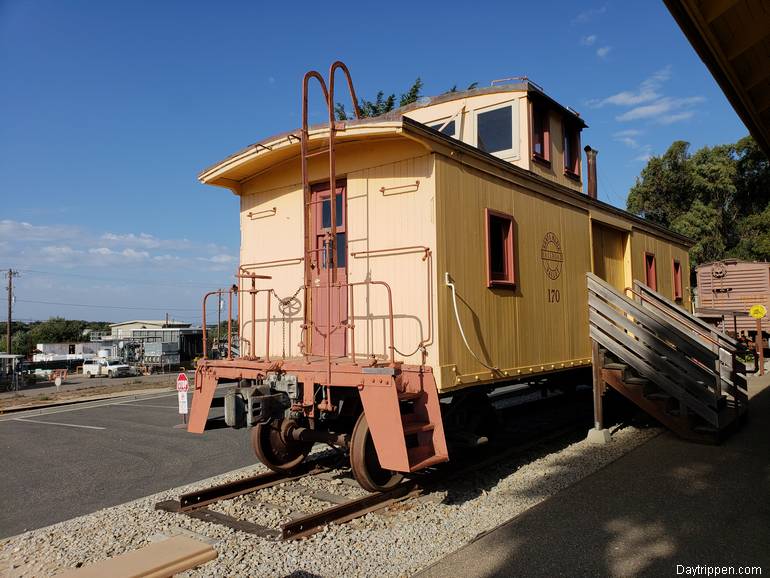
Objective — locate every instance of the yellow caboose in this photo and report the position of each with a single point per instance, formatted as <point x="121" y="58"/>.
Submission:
<point x="450" y="259"/>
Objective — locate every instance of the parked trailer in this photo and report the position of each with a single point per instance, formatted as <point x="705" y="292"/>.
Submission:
<point x="451" y="261"/>
<point x="727" y="289"/>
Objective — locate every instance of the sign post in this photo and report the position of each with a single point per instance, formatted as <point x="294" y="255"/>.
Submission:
<point x="758" y="312"/>
<point x="182" y="387"/>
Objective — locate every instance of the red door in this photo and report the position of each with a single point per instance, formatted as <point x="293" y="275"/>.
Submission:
<point x="329" y="319"/>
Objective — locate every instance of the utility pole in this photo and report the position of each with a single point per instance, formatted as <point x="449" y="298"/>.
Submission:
<point x="8" y="333"/>
<point x="219" y="318"/>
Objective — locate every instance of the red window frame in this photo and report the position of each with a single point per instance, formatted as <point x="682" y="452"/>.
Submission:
<point x="677" y="270"/>
<point x="506" y="277"/>
<point x="571" y="145"/>
<point x="650" y="271"/>
<point x="540" y="132"/>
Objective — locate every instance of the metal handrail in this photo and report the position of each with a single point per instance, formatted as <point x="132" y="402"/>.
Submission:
<point x="427" y="256"/>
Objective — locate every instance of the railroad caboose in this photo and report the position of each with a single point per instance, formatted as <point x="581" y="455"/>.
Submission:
<point x="449" y="258"/>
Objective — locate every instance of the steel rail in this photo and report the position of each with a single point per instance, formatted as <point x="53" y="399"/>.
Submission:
<point x="201" y="498"/>
<point x="194" y="503"/>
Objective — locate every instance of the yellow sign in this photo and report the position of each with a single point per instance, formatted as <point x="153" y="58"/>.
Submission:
<point x="758" y="311"/>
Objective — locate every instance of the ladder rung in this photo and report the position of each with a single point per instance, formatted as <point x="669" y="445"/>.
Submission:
<point x="316" y="153"/>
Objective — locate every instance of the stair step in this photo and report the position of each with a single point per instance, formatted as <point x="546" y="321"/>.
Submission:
<point x="633" y="380"/>
<point x="409" y="395"/>
<point x="705" y="429"/>
<point x="422" y="457"/>
<point x="617" y="366"/>
<point x="658" y="395"/>
<point x="413" y="427"/>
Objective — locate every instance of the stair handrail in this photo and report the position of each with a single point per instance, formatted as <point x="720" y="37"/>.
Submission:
<point x="665" y="310"/>
<point x="724" y="344"/>
<point x="670" y="311"/>
<point x="702" y="328"/>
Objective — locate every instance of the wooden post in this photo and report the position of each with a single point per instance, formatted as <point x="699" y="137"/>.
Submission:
<point x="760" y="348"/>
<point x="596" y="364"/>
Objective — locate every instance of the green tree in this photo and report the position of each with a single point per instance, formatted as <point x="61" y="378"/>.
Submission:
<point x="382" y="104"/>
<point x="719" y="197"/>
<point x="752" y="178"/>
<point x="701" y="223"/>
<point x="663" y="191"/>
<point x="754" y="237"/>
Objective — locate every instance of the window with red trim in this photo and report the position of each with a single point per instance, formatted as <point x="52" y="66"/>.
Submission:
<point x="500" y="262"/>
<point x="571" y="150"/>
<point x="650" y="275"/>
<point x="541" y="133"/>
<point x="677" y="281"/>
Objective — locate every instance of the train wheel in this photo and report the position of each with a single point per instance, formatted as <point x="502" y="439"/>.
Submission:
<point x="365" y="464"/>
<point x="274" y="450"/>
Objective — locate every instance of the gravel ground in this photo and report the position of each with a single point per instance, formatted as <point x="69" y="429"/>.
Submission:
<point x="398" y="542"/>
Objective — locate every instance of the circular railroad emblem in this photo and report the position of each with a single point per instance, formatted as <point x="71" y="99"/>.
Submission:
<point x="718" y="270"/>
<point x="552" y="256"/>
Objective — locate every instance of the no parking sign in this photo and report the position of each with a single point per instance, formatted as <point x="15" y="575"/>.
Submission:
<point x="182" y="386"/>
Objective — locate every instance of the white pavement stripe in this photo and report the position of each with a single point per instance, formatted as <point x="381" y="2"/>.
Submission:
<point x="57" y="423"/>
<point x="82" y="405"/>
<point x="147" y="405"/>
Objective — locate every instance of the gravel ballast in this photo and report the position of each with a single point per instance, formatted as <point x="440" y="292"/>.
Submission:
<point x="397" y="542"/>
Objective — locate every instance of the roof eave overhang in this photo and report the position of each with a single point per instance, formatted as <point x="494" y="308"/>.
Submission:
<point x="695" y="28"/>
<point x="229" y="173"/>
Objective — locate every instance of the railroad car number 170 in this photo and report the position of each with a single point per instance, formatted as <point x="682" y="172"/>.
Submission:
<point x="553" y="295"/>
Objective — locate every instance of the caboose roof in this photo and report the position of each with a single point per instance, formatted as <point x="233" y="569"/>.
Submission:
<point x="370" y="126"/>
<point x="280" y="148"/>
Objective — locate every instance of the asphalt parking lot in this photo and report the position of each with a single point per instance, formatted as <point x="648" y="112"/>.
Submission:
<point x="74" y="460"/>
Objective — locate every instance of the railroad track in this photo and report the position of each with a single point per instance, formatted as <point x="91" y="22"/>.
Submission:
<point x="342" y="509"/>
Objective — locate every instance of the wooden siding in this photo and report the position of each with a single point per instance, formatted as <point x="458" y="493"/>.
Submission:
<point x="401" y="216"/>
<point x="609" y="248"/>
<point x="523" y="331"/>
<point x="665" y="252"/>
<point x="555" y="171"/>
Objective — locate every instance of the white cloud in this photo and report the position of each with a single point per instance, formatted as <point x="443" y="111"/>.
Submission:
<point x="648" y="102"/>
<point x="629" y="142"/>
<point x="628" y="137"/>
<point x="130" y="255"/>
<point x="589" y="40"/>
<point x="143" y="240"/>
<point x="165" y="258"/>
<point x="60" y="252"/>
<point x="672" y="118"/>
<point x="603" y="52"/>
<point x="219" y="259"/>
<point x="660" y="109"/>
<point x="648" y="90"/>
<point x="589" y="15"/>
<point x="23" y="231"/>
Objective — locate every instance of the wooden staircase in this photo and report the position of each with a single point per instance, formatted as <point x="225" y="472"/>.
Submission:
<point x="669" y="363"/>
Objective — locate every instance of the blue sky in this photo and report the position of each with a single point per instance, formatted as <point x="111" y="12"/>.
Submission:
<point x="111" y="109"/>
